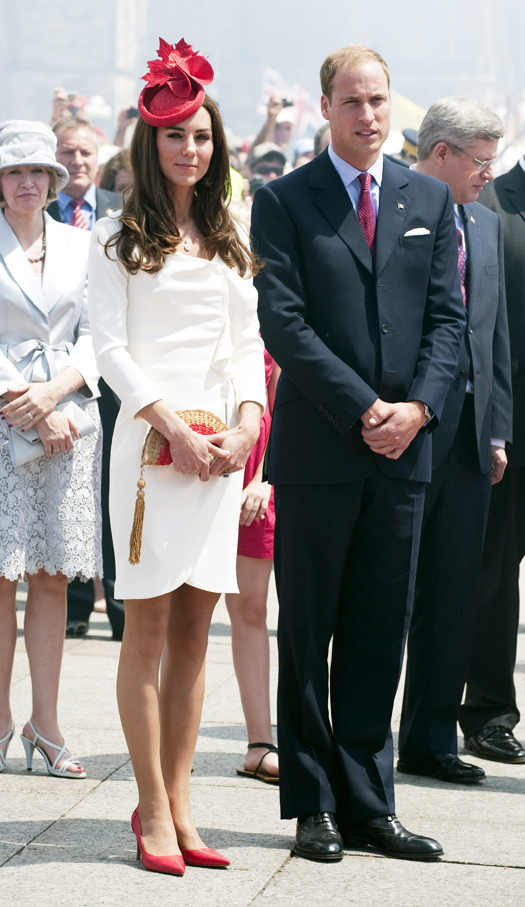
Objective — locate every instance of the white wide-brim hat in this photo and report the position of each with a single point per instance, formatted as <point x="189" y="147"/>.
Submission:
<point x="26" y="143"/>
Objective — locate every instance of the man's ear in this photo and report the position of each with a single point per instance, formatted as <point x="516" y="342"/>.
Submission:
<point x="325" y="107"/>
<point x="440" y="152"/>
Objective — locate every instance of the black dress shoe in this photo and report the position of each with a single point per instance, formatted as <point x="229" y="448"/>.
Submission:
<point x="76" y="629"/>
<point x="389" y="836"/>
<point x="317" y="837"/>
<point x="447" y="767"/>
<point x="496" y="743"/>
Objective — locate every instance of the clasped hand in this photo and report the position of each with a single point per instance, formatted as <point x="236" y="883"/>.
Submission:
<point x="29" y="403"/>
<point x="230" y="450"/>
<point x="388" y="428"/>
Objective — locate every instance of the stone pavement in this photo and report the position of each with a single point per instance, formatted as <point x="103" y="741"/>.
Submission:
<point x="66" y="843"/>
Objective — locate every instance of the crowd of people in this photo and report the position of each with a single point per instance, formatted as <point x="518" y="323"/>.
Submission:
<point x="335" y="395"/>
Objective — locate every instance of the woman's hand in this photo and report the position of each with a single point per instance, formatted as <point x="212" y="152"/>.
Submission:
<point x="239" y="440"/>
<point x="55" y="433"/>
<point x="254" y="501"/>
<point x="29" y="404"/>
<point x="194" y="456"/>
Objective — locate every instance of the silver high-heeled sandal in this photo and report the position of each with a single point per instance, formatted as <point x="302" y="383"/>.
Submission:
<point x="31" y="745"/>
<point x="7" y="740"/>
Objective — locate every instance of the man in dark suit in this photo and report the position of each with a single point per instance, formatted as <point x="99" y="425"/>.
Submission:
<point x="360" y="305"/>
<point x="490" y="711"/>
<point x="80" y="204"/>
<point x="458" y="142"/>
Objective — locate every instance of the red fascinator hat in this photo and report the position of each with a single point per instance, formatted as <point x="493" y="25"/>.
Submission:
<point x="175" y="84"/>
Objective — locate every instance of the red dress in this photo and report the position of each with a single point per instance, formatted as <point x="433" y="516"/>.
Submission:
<point x="257" y="540"/>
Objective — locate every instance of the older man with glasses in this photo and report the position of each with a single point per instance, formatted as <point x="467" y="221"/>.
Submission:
<point x="457" y="144"/>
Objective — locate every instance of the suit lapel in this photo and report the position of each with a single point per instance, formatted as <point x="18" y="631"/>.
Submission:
<point x="19" y="267"/>
<point x="336" y="206"/>
<point x="393" y="204"/>
<point x="474" y="257"/>
<point x="515" y="188"/>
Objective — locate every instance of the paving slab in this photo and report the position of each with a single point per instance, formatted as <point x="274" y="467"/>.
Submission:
<point x="380" y="882"/>
<point x="69" y="842"/>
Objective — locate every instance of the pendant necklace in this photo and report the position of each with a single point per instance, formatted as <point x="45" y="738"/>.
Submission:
<point x="187" y="245"/>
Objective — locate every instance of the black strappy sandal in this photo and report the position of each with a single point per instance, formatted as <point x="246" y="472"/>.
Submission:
<point x="259" y="774"/>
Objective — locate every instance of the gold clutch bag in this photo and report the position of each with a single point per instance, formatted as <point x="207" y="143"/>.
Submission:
<point x="156" y="452"/>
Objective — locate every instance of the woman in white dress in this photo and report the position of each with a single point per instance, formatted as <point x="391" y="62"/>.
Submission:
<point x="50" y="522"/>
<point x="173" y="314"/>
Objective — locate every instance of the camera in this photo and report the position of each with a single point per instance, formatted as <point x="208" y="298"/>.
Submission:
<point x="287" y="102"/>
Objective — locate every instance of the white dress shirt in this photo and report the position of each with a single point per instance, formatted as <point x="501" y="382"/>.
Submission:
<point x="350" y="178"/>
<point x="522" y="163"/>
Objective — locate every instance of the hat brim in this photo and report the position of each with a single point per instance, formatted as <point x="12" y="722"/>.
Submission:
<point x="176" y="110"/>
<point x="63" y="174"/>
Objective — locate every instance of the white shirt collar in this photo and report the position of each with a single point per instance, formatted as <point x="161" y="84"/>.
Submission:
<point x="348" y="173"/>
<point x="522" y="163"/>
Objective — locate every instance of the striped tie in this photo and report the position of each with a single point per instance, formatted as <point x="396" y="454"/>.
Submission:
<point x="77" y="218"/>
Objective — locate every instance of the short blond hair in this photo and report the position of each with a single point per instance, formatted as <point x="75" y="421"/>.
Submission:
<point x="52" y="192"/>
<point x="351" y="56"/>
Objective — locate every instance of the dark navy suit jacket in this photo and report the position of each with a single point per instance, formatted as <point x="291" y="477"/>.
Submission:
<point x="346" y="329"/>
<point x="506" y="196"/>
<point x="484" y="353"/>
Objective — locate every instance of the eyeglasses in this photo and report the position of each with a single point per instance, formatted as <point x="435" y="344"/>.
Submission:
<point x="266" y="169"/>
<point x="482" y="165"/>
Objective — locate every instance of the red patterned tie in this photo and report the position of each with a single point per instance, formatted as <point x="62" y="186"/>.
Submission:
<point x="462" y="266"/>
<point x="365" y="209"/>
<point x="77" y="218"/>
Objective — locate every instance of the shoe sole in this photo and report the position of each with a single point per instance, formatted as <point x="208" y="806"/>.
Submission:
<point x="520" y="760"/>
<point x="318" y="858"/>
<point x="425" y="773"/>
<point x="421" y="857"/>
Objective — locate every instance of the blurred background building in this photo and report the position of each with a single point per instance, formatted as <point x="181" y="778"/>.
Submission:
<point x="99" y="48"/>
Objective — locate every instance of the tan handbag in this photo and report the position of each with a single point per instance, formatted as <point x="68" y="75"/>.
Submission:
<point x="156" y="452"/>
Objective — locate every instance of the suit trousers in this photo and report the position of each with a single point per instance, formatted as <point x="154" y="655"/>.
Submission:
<point x="345" y="558"/>
<point x="81" y="596"/>
<point x="447" y="594"/>
<point x="491" y="695"/>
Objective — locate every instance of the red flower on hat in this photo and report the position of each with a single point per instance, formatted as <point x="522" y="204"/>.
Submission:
<point x="180" y="69"/>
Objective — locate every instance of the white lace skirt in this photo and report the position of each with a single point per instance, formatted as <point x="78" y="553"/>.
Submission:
<point x="50" y="515"/>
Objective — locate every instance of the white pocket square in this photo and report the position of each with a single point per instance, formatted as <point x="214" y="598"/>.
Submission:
<point x="417" y="231"/>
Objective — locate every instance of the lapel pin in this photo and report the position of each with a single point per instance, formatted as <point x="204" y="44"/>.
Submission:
<point x="400" y="205"/>
<point x="472" y="219"/>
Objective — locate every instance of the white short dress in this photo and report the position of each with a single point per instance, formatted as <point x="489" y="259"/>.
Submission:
<point x="189" y="336"/>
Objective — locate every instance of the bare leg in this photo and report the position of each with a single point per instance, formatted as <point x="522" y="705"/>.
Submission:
<point x="182" y="693"/>
<point x="138" y="700"/>
<point x="44" y="631"/>
<point x="7" y="650"/>
<point x="251" y="655"/>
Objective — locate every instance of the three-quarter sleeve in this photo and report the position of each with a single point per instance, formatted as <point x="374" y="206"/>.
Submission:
<point x="247" y="357"/>
<point x="107" y="303"/>
<point x="82" y="356"/>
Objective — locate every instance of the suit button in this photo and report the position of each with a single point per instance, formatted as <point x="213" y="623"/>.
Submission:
<point x="330" y="418"/>
<point x="384" y="328"/>
<point x="471" y="330"/>
<point x="325" y="412"/>
<point x="335" y="422"/>
<point x="320" y="407"/>
<point x="461" y="374"/>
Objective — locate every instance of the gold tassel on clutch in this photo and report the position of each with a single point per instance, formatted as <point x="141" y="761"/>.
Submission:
<point x="135" y="542"/>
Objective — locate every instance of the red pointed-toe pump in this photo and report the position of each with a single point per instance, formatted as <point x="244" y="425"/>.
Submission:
<point x="206" y="856"/>
<point x="174" y="865"/>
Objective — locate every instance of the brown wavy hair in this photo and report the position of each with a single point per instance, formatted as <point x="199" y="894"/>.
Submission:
<point x="149" y="228"/>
